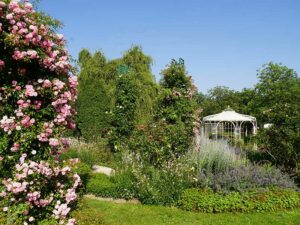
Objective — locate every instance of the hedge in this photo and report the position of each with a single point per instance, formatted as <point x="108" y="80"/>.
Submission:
<point x="205" y="200"/>
<point x="101" y="185"/>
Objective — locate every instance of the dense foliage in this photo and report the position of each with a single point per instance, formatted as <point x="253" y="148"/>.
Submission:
<point x="114" y="96"/>
<point x="139" y="69"/>
<point x="101" y="185"/>
<point x="135" y="97"/>
<point x="94" y="153"/>
<point x="274" y="100"/>
<point x="170" y="133"/>
<point x="37" y="96"/>
<point x="147" y="131"/>
<point x="243" y="178"/>
<point x="124" y="114"/>
<point x="94" y="96"/>
<point x="217" y="99"/>
<point x="161" y="151"/>
<point x="216" y="156"/>
<point x="148" y="184"/>
<point x="257" y="200"/>
<point x="277" y="98"/>
<point x="176" y="103"/>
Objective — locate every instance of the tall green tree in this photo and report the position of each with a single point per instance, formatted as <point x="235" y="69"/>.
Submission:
<point x="170" y="133"/>
<point x="177" y="101"/>
<point x="135" y="93"/>
<point x="277" y="102"/>
<point x="124" y="113"/>
<point x="94" y="101"/>
<point x="101" y="91"/>
<point x="219" y="98"/>
<point x="176" y="108"/>
<point x="139" y="65"/>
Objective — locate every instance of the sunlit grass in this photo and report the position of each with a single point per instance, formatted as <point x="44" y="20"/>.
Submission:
<point x="132" y="214"/>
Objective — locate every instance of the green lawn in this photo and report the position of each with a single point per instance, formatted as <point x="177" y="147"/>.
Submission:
<point x="131" y="214"/>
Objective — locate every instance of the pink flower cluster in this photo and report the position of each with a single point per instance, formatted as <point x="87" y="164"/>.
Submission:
<point x="53" y="142"/>
<point x="44" y="136"/>
<point x="15" y="147"/>
<point x="26" y="31"/>
<point x="23" y="186"/>
<point x="8" y="124"/>
<point x="38" y="93"/>
<point x="31" y="54"/>
<point x="31" y="99"/>
<point x="15" y="187"/>
<point x="27" y="121"/>
<point x="30" y="92"/>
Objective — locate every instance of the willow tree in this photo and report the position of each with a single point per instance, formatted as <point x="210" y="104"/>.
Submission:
<point x="170" y="134"/>
<point x="139" y="66"/>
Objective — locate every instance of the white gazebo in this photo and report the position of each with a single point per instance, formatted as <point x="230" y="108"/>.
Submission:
<point x="229" y="123"/>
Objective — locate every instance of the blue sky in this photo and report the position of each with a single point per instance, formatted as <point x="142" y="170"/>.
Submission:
<point x="223" y="42"/>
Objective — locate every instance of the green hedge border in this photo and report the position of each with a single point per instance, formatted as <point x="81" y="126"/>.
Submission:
<point x="205" y="200"/>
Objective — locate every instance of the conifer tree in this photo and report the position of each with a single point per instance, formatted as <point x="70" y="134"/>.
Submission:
<point x="94" y="101"/>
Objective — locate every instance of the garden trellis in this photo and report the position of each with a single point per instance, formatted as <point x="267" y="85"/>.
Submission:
<point x="229" y="124"/>
<point x="123" y="69"/>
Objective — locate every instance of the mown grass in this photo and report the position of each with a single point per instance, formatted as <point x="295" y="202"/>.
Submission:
<point x="131" y="214"/>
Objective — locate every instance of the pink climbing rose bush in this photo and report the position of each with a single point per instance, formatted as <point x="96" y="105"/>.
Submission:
<point x="37" y="96"/>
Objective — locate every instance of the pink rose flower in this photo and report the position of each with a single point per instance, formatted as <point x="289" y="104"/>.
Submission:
<point x="53" y="142"/>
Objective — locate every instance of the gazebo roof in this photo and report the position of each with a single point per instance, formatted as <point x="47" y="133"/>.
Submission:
<point x="229" y="115"/>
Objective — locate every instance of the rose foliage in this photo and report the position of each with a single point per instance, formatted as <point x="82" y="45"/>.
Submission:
<point x="37" y="95"/>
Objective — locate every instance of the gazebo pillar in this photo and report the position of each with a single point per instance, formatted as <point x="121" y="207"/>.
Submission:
<point x="254" y="127"/>
<point x="236" y="129"/>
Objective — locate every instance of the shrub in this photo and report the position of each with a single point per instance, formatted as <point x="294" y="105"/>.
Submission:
<point x="125" y="184"/>
<point x="243" y="178"/>
<point x="121" y="185"/>
<point x="215" y="156"/>
<point x="135" y="92"/>
<point x="159" y="142"/>
<point x="135" y="179"/>
<point x="83" y="170"/>
<point x="221" y="169"/>
<point x="101" y="185"/>
<point x="205" y="200"/>
<point x="175" y="111"/>
<point x="159" y="186"/>
<point x="38" y="93"/>
<point x="90" y="153"/>
<point x="83" y="155"/>
<point x="282" y="144"/>
<point x="258" y="157"/>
